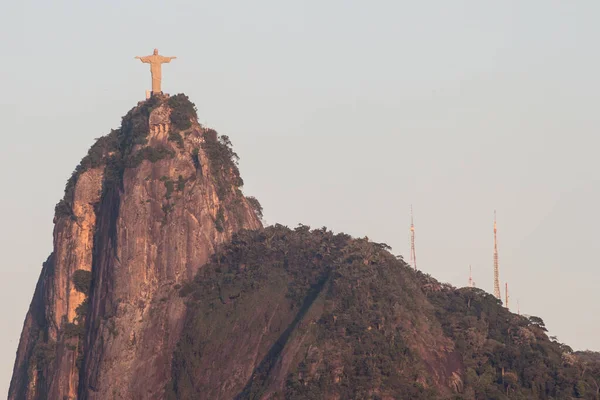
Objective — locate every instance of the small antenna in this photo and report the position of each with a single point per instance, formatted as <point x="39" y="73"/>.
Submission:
<point x="506" y="295"/>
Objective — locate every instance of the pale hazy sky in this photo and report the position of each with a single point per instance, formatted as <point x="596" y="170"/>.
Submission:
<point x="343" y="113"/>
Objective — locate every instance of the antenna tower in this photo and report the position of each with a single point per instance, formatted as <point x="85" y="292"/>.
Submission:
<point x="506" y="297"/>
<point x="413" y="254"/>
<point x="471" y="283"/>
<point x="496" y="271"/>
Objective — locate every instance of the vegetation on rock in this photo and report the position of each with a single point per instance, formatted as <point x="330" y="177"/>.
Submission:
<point x="82" y="280"/>
<point x="176" y="137"/>
<point x="357" y="331"/>
<point x="181" y="183"/>
<point x="170" y="187"/>
<point x="354" y="322"/>
<point x="223" y="162"/>
<point x="44" y="353"/>
<point x="183" y="111"/>
<point x="115" y="151"/>
<point x="506" y="355"/>
<point x="95" y="158"/>
<point x="63" y="209"/>
<point x="256" y="206"/>
<point x="152" y="154"/>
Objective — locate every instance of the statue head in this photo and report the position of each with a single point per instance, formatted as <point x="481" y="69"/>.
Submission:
<point x="155" y="52"/>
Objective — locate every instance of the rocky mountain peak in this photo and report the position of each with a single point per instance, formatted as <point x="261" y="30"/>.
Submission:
<point x="142" y="212"/>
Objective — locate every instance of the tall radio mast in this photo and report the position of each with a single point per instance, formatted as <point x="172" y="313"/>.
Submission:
<point x="413" y="254"/>
<point x="496" y="270"/>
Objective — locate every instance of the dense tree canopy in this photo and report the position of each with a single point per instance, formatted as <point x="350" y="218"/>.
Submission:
<point x="370" y="328"/>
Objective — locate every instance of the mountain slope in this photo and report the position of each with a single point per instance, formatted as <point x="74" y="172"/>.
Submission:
<point x="301" y="314"/>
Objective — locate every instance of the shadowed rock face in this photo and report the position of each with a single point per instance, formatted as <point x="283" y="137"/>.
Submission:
<point x="143" y="212"/>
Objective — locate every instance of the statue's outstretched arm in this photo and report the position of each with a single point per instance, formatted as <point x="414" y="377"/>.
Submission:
<point x="143" y="59"/>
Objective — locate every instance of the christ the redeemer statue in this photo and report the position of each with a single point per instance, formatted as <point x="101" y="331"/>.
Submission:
<point x="155" y="61"/>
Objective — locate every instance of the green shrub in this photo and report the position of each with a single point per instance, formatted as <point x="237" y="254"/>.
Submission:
<point x="180" y="120"/>
<point x="170" y="186"/>
<point x="152" y="154"/>
<point x="134" y="129"/>
<point x="176" y="137"/>
<point x="63" y="209"/>
<point x="99" y="150"/>
<point x="113" y="173"/>
<point x="180" y="184"/>
<point x="81" y="310"/>
<point x="255" y="204"/>
<point x="182" y="112"/>
<point x="82" y="280"/>
<point x="223" y="162"/>
<point x="44" y="353"/>
<point x="71" y="330"/>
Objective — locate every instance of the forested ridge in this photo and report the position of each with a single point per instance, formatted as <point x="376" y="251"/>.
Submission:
<point x="331" y="316"/>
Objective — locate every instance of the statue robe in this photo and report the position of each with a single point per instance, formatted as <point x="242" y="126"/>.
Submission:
<point x="155" y="62"/>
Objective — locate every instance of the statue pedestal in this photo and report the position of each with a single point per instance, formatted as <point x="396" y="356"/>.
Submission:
<point x="159" y="95"/>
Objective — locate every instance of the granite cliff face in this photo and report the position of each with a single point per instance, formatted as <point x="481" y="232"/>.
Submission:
<point x="142" y="213"/>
